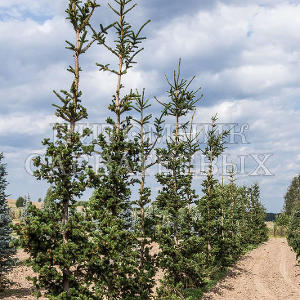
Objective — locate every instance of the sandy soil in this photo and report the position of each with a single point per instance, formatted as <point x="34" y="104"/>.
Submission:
<point x="266" y="273"/>
<point x="20" y="288"/>
<point x="269" y="272"/>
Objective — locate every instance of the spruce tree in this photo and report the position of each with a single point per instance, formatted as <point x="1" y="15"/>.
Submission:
<point x="26" y="205"/>
<point x="257" y="224"/>
<point x="49" y="198"/>
<point x="116" y="263"/>
<point x="193" y="147"/>
<point x="231" y="220"/>
<point x="291" y="215"/>
<point x="227" y="242"/>
<point x="180" y="250"/>
<point x="210" y="205"/>
<point x="292" y="196"/>
<point x="244" y="217"/>
<point x="55" y="237"/>
<point x="235" y="247"/>
<point x="293" y="232"/>
<point x="6" y="250"/>
<point x="142" y="227"/>
<point x="20" y="202"/>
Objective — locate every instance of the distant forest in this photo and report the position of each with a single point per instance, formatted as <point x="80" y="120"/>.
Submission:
<point x="271" y="217"/>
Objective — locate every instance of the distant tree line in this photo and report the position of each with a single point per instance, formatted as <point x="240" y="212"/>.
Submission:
<point x="271" y="217"/>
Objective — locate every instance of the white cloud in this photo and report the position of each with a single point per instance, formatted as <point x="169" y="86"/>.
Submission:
<point x="20" y="8"/>
<point x="273" y="129"/>
<point x="245" y="53"/>
<point x="33" y="124"/>
<point x="251" y="80"/>
<point x="201" y="34"/>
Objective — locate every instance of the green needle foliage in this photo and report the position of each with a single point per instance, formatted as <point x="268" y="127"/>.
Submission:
<point x="243" y="216"/>
<point x="142" y="227"/>
<point x="256" y="221"/>
<point x="291" y="215"/>
<point x="239" y="230"/>
<point x="180" y="255"/>
<point x="292" y="196"/>
<point x="104" y="250"/>
<point x="20" y="202"/>
<point x="6" y="250"/>
<point x="119" y="270"/>
<point x="55" y="236"/>
<point x="210" y="205"/>
<point x="232" y="244"/>
<point x="49" y="198"/>
<point x="293" y="232"/>
<point x="27" y="201"/>
<point x="229" y="245"/>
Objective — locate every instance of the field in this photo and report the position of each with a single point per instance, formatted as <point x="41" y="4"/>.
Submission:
<point x="16" y="212"/>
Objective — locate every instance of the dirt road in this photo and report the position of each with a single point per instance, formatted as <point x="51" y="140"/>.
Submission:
<point x="266" y="273"/>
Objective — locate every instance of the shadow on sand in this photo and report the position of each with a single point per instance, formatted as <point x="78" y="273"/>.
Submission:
<point x="18" y="293"/>
<point x="222" y="286"/>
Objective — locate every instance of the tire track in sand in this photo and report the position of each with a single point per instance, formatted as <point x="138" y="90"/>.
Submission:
<point x="269" y="272"/>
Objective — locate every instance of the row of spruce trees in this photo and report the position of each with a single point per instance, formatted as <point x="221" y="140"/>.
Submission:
<point x="105" y="250"/>
<point x="289" y="219"/>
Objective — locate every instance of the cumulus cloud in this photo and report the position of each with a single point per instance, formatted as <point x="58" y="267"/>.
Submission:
<point x="22" y="9"/>
<point x="272" y="130"/>
<point x="245" y="55"/>
<point x="25" y="124"/>
<point x="237" y="49"/>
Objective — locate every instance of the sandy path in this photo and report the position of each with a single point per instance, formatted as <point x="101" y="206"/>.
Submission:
<point x="266" y="273"/>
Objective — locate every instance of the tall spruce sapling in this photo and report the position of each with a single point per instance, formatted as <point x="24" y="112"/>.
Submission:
<point x="281" y="224"/>
<point x="27" y="201"/>
<point x="116" y="263"/>
<point x="247" y="222"/>
<point x="226" y="242"/>
<point x="292" y="196"/>
<point x="293" y="232"/>
<point x="180" y="251"/>
<point x="243" y="223"/>
<point x="233" y="202"/>
<point x="192" y="147"/>
<point x="235" y="247"/>
<point x="6" y="250"/>
<point x="240" y="219"/>
<point x="290" y="218"/>
<point x="55" y="237"/>
<point x="49" y="198"/>
<point x="146" y="147"/>
<point x="230" y="245"/>
<point x="210" y="205"/>
<point x="258" y="227"/>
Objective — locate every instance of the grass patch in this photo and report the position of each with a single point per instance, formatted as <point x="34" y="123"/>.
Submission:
<point x="196" y="294"/>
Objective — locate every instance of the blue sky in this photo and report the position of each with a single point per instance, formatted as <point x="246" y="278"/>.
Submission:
<point x="245" y="55"/>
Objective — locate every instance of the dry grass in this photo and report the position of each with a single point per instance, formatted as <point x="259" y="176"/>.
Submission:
<point x="16" y="212"/>
<point x="12" y="203"/>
